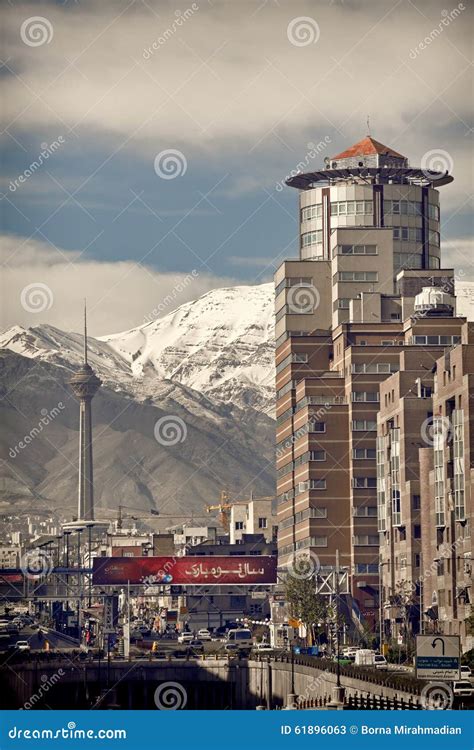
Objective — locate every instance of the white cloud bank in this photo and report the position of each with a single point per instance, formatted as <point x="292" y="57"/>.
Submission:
<point x="228" y="79"/>
<point x="41" y="284"/>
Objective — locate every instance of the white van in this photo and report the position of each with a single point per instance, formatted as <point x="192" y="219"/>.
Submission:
<point x="241" y="637"/>
<point x="364" y="657"/>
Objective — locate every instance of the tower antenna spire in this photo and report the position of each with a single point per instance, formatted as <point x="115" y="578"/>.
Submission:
<point x="368" y="125"/>
<point x="85" y="331"/>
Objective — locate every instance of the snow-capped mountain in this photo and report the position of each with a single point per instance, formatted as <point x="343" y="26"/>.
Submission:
<point x="220" y="345"/>
<point x="208" y="364"/>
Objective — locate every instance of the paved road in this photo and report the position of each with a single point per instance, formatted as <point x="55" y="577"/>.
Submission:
<point x="37" y="638"/>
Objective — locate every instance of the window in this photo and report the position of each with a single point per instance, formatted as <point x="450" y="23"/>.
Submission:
<point x="408" y="234"/>
<point x="366" y="540"/>
<point x="356" y="250"/>
<point x="312" y="212"/>
<point x="364" y="425"/>
<point x="417" y="531"/>
<point x="341" y="208"/>
<point x="312" y="238"/>
<point x="364" y="453"/>
<point x="458" y="456"/>
<point x="239" y="525"/>
<point x="365" y="396"/>
<point x="365" y="511"/>
<point x="290" y="281"/>
<point x="359" y="483"/>
<point x="316" y="426"/>
<point x="262" y="523"/>
<point x="416" y="502"/>
<point x="402" y="207"/>
<point x="381" y="367"/>
<point x="371" y="568"/>
<point x="342" y="303"/>
<point x="357" y="276"/>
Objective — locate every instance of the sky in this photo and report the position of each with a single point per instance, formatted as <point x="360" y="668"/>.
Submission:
<point x="162" y="133"/>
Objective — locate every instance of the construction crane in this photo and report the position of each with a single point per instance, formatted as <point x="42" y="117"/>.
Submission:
<point x="225" y="505"/>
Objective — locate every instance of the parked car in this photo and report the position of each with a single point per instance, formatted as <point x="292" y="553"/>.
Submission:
<point x="204" y="634"/>
<point x="196" y="645"/>
<point x="463" y="688"/>
<point x="22" y="646"/>
<point x="466" y="672"/>
<point x="380" y="662"/>
<point x="185" y="637"/>
<point x="263" y="648"/>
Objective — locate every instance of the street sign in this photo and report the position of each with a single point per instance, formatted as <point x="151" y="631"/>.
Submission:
<point x="438" y="657"/>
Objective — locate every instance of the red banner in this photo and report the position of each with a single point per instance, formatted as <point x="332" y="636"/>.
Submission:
<point x="211" y="570"/>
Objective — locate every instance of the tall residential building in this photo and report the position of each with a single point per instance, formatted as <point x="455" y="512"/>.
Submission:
<point x="350" y="313"/>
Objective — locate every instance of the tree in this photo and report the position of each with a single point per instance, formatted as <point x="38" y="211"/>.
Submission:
<point x="304" y="604"/>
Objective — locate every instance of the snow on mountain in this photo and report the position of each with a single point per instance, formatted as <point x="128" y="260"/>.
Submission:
<point x="220" y="345"/>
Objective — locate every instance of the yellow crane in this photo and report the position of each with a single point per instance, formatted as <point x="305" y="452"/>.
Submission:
<point x="225" y="505"/>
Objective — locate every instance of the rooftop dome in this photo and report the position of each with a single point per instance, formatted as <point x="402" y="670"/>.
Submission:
<point x="433" y="301"/>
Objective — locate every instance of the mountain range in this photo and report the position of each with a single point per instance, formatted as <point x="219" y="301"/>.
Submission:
<point x="205" y="371"/>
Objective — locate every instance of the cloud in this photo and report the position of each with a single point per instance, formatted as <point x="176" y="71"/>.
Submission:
<point x="457" y="254"/>
<point x="229" y="80"/>
<point x="43" y="284"/>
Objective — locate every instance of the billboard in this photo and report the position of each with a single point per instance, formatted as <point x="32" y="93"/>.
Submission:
<point x="210" y="570"/>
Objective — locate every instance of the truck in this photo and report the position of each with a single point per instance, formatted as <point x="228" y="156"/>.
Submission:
<point x="364" y="657"/>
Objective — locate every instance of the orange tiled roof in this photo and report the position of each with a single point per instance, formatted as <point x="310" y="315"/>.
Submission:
<point x="367" y="146"/>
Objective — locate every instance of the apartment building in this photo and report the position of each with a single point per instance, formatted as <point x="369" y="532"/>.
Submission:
<point x="350" y="313"/>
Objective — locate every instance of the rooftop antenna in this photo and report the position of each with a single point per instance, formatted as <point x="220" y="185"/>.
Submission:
<point x="85" y="331"/>
<point x="368" y="125"/>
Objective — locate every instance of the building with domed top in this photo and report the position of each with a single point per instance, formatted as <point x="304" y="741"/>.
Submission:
<point x="365" y="303"/>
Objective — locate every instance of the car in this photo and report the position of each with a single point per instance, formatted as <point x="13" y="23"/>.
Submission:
<point x="195" y="645"/>
<point x="380" y="662"/>
<point x="22" y="646"/>
<point x="263" y="648"/>
<point x="185" y="637"/>
<point x="204" y="634"/>
<point x="466" y="672"/>
<point x="241" y="636"/>
<point x="463" y="688"/>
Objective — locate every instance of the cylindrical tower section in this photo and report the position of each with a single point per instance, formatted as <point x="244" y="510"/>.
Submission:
<point x="371" y="185"/>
